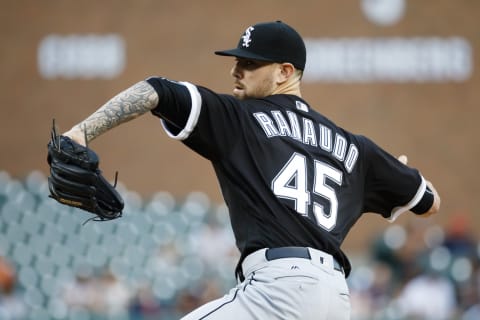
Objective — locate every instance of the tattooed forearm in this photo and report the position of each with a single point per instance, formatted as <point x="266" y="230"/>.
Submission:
<point x="127" y="105"/>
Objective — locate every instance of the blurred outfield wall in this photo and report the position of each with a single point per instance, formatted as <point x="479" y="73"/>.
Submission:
<point x="402" y="72"/>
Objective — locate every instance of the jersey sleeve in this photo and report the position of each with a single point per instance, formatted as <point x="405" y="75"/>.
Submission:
<point x="221" y="125"/>
<point x="207" y="122"/>
<point x="391" y="188"/>
<point x="178" y="106"/>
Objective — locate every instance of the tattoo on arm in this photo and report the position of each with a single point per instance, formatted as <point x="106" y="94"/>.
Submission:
<point x="126" y="106"/>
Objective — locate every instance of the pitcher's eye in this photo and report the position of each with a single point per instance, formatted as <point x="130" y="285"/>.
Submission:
<point x="250" y="64"/>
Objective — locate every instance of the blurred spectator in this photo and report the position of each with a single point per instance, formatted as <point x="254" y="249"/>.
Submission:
<point x="102" y="295"/>
<point x="371" y="289"/>
<point x="187" y="301"/>
<point x="192" y="298"/>
<point x="428" y="297"/>
<point x="469" y="300"/>
<point x="112" y="296"/>
<point x="400" y="247"/>
<point x="80" y="292"/>
<point x="144" y="305"/>
<point x="382" y="287"/>
<point x="12" y="306"/>
<point x="213" y="241"/>
<point x="469" y="294"/>
<point x="7" y="276"/>
<point x="459" y="239"/>
<point x="444" y="277"/>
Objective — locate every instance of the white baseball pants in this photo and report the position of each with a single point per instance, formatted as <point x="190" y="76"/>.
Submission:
<point x="286" y="288"/>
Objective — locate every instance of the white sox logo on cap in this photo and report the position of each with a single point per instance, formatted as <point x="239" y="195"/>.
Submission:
<point x="274" y="42"/>
<point x="246" y="36"/>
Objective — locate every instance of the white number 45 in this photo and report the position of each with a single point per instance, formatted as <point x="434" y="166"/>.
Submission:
<point x="291" y="183"/>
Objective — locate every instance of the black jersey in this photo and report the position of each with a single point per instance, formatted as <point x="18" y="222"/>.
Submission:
<point x="289" y="175"/>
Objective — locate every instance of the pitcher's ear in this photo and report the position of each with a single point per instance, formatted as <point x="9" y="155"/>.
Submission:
<point x="287" y="69"/>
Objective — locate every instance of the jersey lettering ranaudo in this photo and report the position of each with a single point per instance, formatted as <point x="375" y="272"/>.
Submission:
<point x="289" y="175"/>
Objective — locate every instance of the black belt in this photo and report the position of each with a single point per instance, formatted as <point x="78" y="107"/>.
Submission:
<point x="295" y="252"/>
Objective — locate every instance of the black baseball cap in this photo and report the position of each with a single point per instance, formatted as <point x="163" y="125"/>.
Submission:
<point x="270" y="41"/>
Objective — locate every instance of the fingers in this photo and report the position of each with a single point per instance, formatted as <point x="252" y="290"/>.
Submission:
<point x="403" y="159"/>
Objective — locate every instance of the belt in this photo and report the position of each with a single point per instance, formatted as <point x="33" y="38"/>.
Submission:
<point x="296" y="252"/>
<point x="264" y="255"/>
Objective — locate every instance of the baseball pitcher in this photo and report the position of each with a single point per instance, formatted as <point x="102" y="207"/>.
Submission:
<point x="294" y="182"/>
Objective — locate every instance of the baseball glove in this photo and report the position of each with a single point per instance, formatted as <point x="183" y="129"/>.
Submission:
<point x="75" y="179"/>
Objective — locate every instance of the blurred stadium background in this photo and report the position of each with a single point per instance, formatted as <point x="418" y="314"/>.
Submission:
<point x="402" y="72"/>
